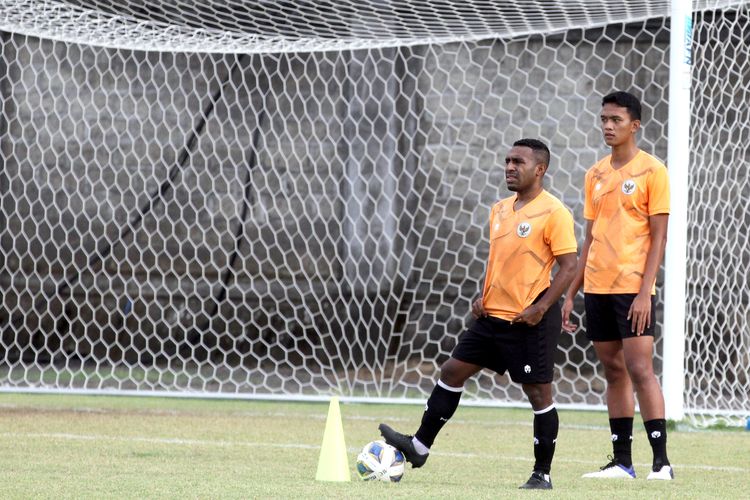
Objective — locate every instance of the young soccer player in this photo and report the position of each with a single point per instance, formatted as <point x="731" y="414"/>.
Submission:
<point x="517" y="325"/>
<point x="626" y="210"/>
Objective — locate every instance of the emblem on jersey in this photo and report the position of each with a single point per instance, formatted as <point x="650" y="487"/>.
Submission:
<point x="628" y="187"/>
<point x="523" y="229"/>
<point x="527" y="369"/>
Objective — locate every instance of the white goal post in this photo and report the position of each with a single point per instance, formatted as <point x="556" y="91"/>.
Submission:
<point x="260" y="199"/>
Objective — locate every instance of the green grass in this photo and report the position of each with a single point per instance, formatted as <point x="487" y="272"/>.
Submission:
<point x="109" y="447"/>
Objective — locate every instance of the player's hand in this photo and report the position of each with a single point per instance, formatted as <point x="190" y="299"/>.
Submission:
<point x="639" y="314"/>
<point x="477" y="308"/>
<point x="531" y="315"/>
<point x="567" y="308"/>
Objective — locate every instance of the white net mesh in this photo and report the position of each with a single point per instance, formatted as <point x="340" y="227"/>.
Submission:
<point x="241" y="26"/>
<point x="718" y="315"/>
<point x="207" y="198"/>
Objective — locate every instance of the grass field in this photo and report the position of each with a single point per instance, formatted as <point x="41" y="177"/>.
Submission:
<point x="109" y="447"/>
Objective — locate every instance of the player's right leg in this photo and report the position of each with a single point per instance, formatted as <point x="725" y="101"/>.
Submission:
<point x="440" y="407"/>
<point x="604" y="329"/>
<point x="621" y="406"/>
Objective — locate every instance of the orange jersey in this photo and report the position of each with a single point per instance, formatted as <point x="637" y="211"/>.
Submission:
<point x="620" y="203"/>
<point x="523" y="246"/>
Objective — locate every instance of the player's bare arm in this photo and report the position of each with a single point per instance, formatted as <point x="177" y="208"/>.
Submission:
<point x="577" y="281"/>
<point x="477" y="308"/>
<point x="565" y="273"/>
<point x="640" y="310"/>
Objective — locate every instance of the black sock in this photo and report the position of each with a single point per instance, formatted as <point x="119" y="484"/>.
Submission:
<point x="657" y="435"/>
<point x="440" y="407"/>
<point x="622" y="439"/>
<point x="546" y="425"/>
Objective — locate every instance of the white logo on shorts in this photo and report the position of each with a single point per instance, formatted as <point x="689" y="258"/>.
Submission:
<point x="628" y="187"/>
<point x="523" y="229"/>
<point x="527" y="369"/>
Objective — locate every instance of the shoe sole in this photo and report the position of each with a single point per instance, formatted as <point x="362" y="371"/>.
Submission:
<point x="593" y="476"/>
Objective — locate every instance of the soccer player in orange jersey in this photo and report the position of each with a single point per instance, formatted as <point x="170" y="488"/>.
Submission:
<point x="626" y="210"/>
<point x="517" y="322"/>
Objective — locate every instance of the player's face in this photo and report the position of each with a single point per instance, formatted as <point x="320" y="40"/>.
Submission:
<point x="521" y="168"/>
<point x="617" y="126"/>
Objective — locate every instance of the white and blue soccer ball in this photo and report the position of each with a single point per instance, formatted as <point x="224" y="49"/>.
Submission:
<point x="379" y="461"/>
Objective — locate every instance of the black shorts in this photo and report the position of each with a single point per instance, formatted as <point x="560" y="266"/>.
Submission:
<point x="607" y="316"/>
<point x="527" y="353"/>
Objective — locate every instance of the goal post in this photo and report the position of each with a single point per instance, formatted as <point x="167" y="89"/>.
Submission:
<point x="678" y="159"/>
<point x="290" y="201"/>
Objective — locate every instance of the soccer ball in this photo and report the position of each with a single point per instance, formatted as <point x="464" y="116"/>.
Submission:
<point x="380" y="461"/>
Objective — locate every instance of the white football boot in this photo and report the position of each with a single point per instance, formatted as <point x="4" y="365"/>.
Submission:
<point x="665" y="473"/>
<point x="613" y="470"/>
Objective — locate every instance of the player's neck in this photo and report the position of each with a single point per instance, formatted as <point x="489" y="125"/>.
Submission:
<point x="623" y="153"/>
<point x="524" y="197"/>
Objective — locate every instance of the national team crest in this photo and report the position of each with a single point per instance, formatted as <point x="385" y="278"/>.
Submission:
<point x="523" y="229"/>
<point x="628" y="187"/>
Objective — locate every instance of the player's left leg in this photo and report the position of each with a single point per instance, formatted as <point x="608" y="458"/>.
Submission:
<point x="533" y="368"/>
<point x="638" y="353"/>
<point x="546" y="425"/>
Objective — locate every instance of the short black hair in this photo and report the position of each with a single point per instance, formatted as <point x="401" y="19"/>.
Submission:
<point x="625" y="100"/>
<point x="539" y="148"/>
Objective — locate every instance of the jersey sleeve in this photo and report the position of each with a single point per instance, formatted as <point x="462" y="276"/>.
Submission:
<point x="588" y="207"/>
<point x="658" y="191"/>
<point x="493" y="212"/>
<point x="560" y="232"/>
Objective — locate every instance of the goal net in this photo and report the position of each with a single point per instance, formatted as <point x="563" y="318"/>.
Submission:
<point x="290" y="199"/>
